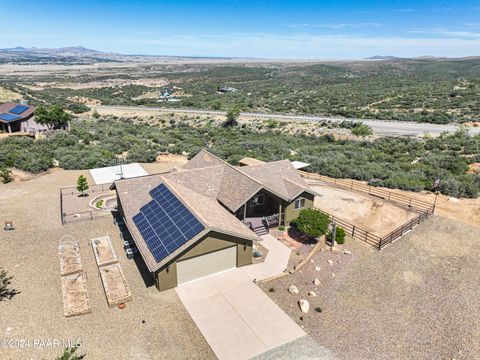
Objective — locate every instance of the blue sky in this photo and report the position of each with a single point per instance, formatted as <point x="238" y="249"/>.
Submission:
<point x="246" y="28"/>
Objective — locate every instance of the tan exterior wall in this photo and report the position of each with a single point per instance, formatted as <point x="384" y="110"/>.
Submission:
<point x="292" y="213"/>
<point x="166" y="277"/>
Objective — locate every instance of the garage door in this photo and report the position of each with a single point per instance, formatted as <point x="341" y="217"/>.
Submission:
<point x="207" y="264"/>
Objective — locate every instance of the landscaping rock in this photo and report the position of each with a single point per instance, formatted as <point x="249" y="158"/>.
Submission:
<point x="334" y="248"/>
<point x="346" y="252"/>
<point x="333" y="274"/>
<point x="312" y="293"/>
<point x="317" y="268"/>
<point x="293" y="290"/>
<point x="330" y="262"/>
<point x="304" y="305"/>
<point x="316" y="282"/>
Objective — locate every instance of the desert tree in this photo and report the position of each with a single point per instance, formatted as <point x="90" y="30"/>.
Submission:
<point x="52" y="116"/>
<point x="5" y="291"/>
<point x="232" y="117"/>
<point x="82" y="184"/>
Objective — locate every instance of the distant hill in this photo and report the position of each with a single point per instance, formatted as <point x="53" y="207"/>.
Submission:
<point x="72" y="50"/>
<point x="72" y="54"/>
<point x="383" y="57"/>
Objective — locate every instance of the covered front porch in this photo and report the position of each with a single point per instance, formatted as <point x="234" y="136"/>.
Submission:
<point x="261" y="212"/>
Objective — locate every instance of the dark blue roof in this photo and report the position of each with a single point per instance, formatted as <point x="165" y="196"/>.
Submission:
<point x="19" y="109"/>
<point x="9" y="117"/>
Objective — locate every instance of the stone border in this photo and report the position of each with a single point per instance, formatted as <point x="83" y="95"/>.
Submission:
<point x="113" y="298"/>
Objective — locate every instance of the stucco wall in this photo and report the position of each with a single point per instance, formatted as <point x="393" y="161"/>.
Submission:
<point x="292" y="213"/>
<point x="166" y="277"/>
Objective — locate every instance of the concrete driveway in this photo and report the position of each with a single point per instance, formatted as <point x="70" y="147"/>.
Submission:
<point x="238" y="320"/>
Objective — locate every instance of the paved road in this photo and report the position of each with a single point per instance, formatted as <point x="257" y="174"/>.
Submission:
<point x="381" y="127"/>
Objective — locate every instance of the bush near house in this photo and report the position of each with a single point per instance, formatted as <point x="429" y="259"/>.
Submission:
<point x="339" y="235"/>
<point x="311" y="222"/>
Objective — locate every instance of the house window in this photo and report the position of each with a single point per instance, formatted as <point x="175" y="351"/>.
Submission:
<point x="299" y="203"/>
<point x="257" y="200"/>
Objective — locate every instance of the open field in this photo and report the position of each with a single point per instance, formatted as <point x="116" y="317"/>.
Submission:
<point x="153" y="325"/>
<point x="433" y="91"/>
<point x="415" y="299"/>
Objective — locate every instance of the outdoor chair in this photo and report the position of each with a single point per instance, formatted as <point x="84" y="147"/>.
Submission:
<point x="8" y="226"/>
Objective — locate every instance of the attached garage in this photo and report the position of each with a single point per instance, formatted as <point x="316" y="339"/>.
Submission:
<point x="213" y="253"/>
<point x="204" y="265"/>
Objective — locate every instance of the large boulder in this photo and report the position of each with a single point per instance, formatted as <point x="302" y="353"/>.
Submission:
<point x="293" y="290"/>
<point x="316" y="282"/>
<point x="304" y="305"/>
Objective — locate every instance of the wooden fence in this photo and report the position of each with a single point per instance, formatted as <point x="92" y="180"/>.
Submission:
<point x="423" y="208"/>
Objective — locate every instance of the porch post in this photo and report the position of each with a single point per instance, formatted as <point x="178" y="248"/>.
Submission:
<point x="280" y="222"/>
<point x="244" y="211"/>
<point x="9" y="128"/>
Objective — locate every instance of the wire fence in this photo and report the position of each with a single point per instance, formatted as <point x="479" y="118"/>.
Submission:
<point x="70" y="194"/>
<point x="423" y="208"/>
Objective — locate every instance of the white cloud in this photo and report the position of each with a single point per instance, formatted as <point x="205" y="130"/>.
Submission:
<point x="340" y="26"/>
<point x="300" y="46"/>
<point x="448" y="33"/>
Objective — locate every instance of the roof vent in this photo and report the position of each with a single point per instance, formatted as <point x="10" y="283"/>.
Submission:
<point x="24" y="102"/>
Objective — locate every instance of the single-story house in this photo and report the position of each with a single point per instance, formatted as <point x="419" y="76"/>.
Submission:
<point x="204" y="217"/>
<point x="15" y="117"/>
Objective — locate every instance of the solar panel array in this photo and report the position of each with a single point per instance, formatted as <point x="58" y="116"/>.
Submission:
<point x="19" y="109"/>
<point x="9" y="117"/>
<point x="165" y="223"/>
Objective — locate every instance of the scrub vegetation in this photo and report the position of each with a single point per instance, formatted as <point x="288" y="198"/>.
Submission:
<point x="403" y="163"/>
<point x="425" y="90"/>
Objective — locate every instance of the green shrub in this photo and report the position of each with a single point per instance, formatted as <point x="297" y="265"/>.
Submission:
<point x="77" y="108"/>
<point x="360" y="129"/>
<point x="311" y="222"/>
<point x="6" y="175"/>
<point x="281" y="228"/>
<point x="339" y="235"/>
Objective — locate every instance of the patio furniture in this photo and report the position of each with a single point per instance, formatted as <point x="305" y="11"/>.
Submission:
<point x="8" y="226"/>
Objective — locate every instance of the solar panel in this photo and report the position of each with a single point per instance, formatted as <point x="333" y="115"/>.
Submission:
<point x="9" y="117"/>
<point x="165" y="223"/>
<point x="19" y="109"/>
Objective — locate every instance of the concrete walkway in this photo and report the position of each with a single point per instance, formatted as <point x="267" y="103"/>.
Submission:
<point x="275" y="263"/>
<point x="238" y="320"/>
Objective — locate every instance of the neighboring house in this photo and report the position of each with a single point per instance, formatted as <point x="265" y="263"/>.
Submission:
<point x="16" y="117"/>
<point x="199" y="220"/>
<point x="226" y="89"/>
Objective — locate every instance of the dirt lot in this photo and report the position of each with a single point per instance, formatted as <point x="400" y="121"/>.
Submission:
<point x="154" y="325"/>
<point x="373" y="214"/>
<point x="415" y="299"/>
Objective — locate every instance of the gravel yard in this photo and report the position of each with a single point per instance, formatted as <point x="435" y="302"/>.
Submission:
<point x="154" y="325"/>
<point x="418" y="298"/>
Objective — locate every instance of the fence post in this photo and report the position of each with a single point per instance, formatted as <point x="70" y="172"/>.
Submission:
<point x="353" y="231"/>
<point x="380" y="244"/>
<point x="351" y="186"/>
<point x="366" y="236"/>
